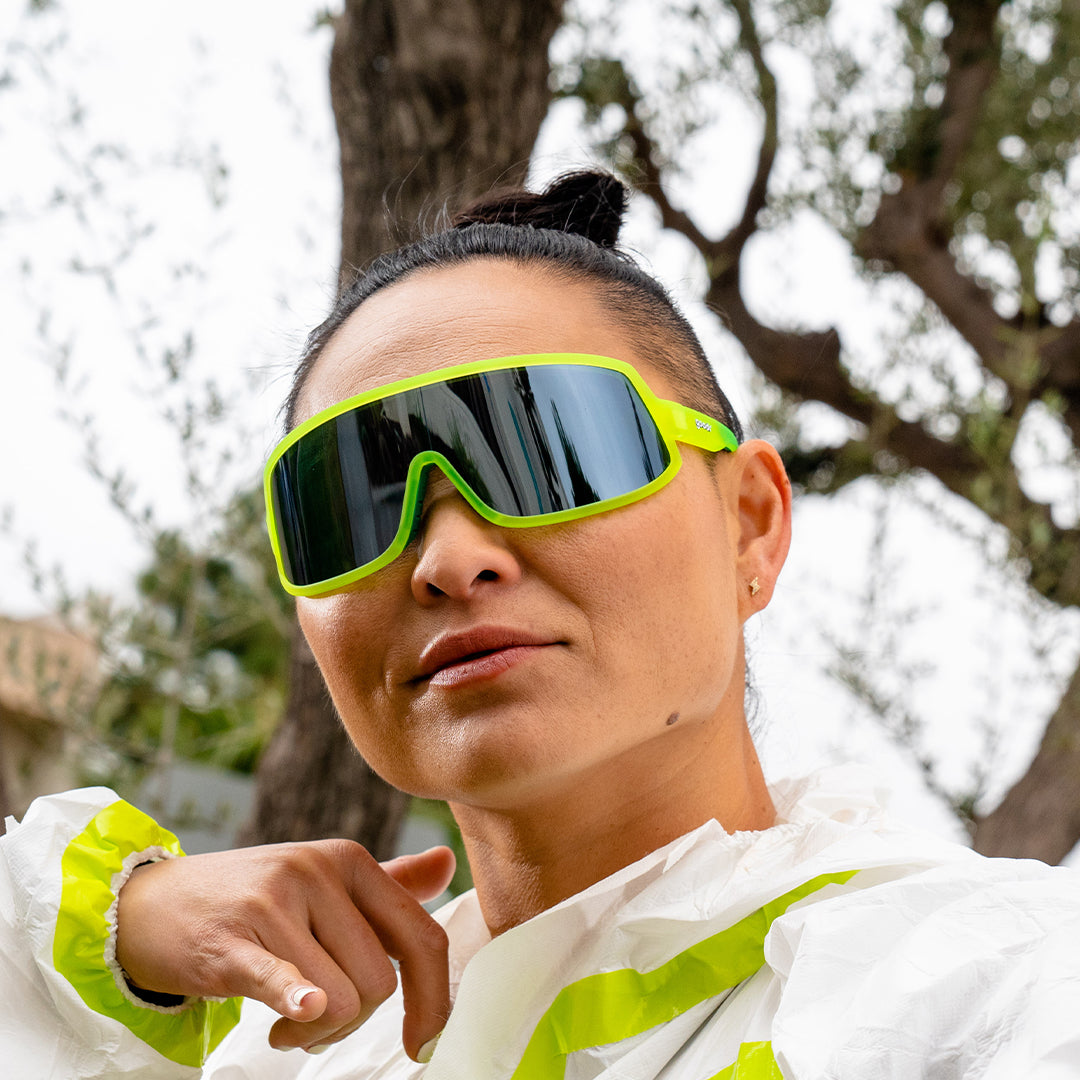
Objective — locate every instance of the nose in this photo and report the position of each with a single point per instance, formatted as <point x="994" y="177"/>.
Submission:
<point x="460" y="554"/>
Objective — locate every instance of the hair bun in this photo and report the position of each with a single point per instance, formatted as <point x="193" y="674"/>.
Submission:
<point x="589" y="203"/>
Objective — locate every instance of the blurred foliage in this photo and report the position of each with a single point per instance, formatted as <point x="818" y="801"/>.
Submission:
<point x="198" y="664"/>
<point x="1012" y="192"/>
<point x="195" y="655"/>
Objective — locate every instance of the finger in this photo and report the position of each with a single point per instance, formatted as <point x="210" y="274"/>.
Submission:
<point x="410" y="935"/>
<point x="340" y="951"/>
<point x="355" y="949"/>
<point x="425" y="990"/>
<point x="425" y="875"/>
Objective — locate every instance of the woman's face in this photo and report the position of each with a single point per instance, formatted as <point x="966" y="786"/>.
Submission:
<point x="495" y="667"/>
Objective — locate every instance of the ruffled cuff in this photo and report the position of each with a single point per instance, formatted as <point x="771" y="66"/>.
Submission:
<point x="95" y="866"/>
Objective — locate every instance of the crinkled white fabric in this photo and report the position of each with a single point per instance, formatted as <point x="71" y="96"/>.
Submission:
<point x="931" y="962"/>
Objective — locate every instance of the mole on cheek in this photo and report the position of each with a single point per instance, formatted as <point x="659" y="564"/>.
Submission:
<point x="673" y="718"/>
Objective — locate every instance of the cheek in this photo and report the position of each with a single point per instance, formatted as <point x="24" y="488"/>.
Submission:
<point x="323" y="623"/>
<point x="688" y="628"/>
<point x="662" y="602"/>
<point x="348" y="650"/>
<point x="346" y="636"/>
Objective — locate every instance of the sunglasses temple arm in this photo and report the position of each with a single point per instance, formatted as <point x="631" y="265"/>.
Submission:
<point x="696" y="429"/>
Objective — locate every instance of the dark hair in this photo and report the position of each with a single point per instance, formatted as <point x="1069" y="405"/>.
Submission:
<point x="569" y="230"/>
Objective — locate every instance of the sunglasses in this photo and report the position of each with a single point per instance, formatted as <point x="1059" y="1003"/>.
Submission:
<point x="526" y="440"/>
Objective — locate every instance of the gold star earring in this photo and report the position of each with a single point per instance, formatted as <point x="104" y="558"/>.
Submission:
<point x="755" y="587"/>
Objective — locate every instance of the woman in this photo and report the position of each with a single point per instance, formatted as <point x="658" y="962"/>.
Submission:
<point x="524" y="537"/>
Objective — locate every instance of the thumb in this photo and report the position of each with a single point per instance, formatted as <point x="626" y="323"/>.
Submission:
<point x="424" y="875"/>
<point x="259" y="974"/>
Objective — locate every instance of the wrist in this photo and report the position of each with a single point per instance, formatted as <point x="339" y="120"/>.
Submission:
<point x="116" y="959"/>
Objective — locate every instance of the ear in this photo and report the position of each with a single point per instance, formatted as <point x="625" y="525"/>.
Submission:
<point x="763" y="494"/>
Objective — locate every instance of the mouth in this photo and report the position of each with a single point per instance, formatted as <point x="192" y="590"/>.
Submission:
<point x="477" y="655"/>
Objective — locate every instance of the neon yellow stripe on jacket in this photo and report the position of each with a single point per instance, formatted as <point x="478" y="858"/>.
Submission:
<point x="88" y="866"/>
<point x="755" y="1062"/>
<point x="615" y="1005"/>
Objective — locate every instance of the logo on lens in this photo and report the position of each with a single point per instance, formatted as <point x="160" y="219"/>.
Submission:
<point x="704" y="427"/>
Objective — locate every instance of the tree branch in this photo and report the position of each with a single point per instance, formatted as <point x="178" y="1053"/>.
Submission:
<point x="650" y="182"/>
<point x="756" y="197"/>
<point x="909" y="233"/>
<point x="722" y="256"/>
<point x="973" y="52"/>
<point x="809" y="366"/>
<point x="1059" y="356"/>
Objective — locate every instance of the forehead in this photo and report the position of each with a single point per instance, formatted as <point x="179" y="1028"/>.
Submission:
<point x="436" y="318"/>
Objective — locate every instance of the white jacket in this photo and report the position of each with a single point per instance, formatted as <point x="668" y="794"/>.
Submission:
<point x="836" y="944"/>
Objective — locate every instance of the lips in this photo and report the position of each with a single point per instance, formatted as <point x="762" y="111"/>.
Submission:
<point x="474" y="646"/>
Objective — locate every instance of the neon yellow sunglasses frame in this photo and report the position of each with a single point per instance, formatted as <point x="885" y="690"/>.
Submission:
<point x="676" y="424"/>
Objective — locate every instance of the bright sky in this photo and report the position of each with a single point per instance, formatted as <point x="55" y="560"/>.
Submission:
<point x="243" y="85"/>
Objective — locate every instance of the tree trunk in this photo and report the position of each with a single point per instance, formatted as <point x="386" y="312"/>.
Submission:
<point x="434" y="100"/>
<point x="1040" y="816"/>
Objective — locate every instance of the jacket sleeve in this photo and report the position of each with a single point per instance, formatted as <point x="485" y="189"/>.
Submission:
<point x="67" y="1011"/>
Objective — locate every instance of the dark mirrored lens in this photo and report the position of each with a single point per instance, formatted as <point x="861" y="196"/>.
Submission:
<point x="528" y="441"/>
<point x="550" y="438"/>
<point x="335" y="512"/>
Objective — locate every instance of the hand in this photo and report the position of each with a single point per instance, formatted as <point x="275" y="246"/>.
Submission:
<point x="308" y="929"/>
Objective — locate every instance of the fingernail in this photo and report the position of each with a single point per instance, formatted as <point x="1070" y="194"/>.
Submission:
<point x="318" y="1048"/>
<point x="301" y="992"/>
<point x="423" y="1055"/>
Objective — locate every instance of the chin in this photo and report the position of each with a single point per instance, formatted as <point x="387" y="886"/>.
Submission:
<point x="463" y="774"/>
<point x="495" y="778"/>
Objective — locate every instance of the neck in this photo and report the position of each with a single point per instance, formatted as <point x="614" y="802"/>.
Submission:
<point x="529" y="858"/>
